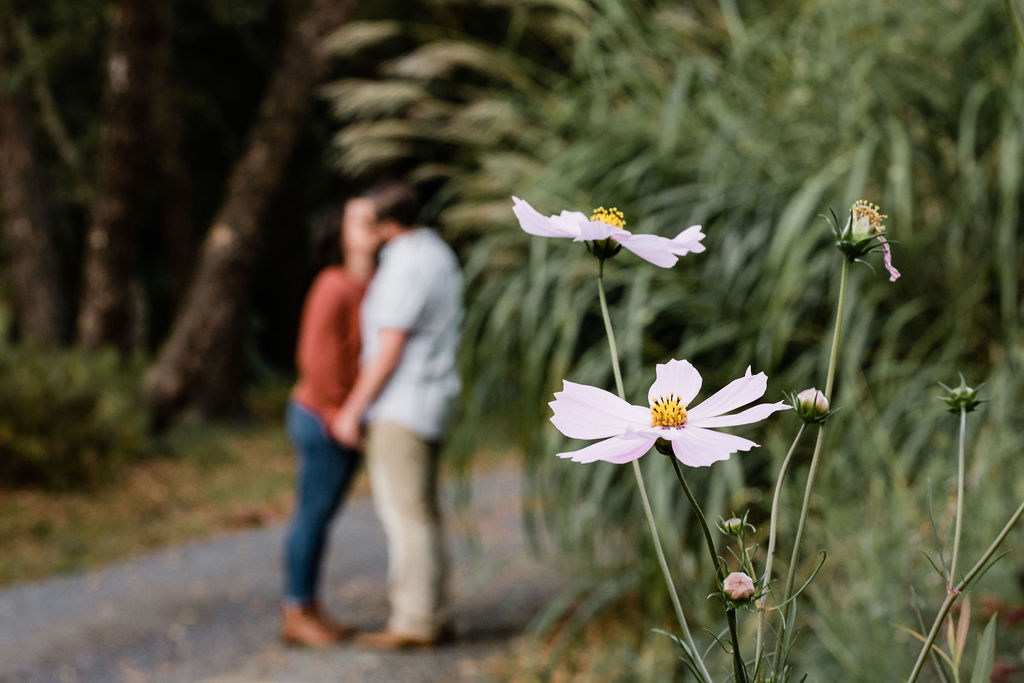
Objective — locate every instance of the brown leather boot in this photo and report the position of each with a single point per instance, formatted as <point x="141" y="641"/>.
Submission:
<point x="341" y="631"/>
<point x="303" y="626"/>
<point x="389" y="640"/>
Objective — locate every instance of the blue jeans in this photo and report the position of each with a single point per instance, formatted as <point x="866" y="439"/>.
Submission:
<point x="325" y="471"/>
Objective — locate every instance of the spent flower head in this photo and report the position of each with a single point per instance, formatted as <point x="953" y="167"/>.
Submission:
<point x="605" y="233"/>
<point x="629" y="431"/>
<point x="963" y="396"/>
<point x="864" y="233"/>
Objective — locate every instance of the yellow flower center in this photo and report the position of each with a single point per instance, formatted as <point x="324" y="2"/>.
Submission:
<point x="872" y="213"/>
<point x="668" y="411"/>
<point x="610" y="216"/>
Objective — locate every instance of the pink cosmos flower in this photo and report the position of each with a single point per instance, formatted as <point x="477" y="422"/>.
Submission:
<point x="609" y="224"/>
<point x="585" y="412"/>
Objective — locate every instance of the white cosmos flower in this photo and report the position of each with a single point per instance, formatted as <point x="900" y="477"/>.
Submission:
<point x="609" y="224"/>
<point x="585" y="412"/>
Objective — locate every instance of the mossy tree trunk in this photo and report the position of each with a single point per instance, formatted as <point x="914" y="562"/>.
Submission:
<point x="108" y="314"/>
<point x="199" y="365"/>
<point x="40" y="300"/>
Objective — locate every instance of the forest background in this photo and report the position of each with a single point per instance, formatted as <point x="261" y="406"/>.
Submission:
<point x="161" y="164"/>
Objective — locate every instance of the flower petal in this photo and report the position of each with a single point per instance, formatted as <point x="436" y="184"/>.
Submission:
<point x="758" y="412"/>
<point x="894" y="274"/>
<point x="585" y="412"/>
<point x="651" y="248"/>
<point x="531" y="221"/>
<point x="677" y="377"/>
<point x="736" y="393"/>
<point x="593" y="230"/>
<point x="698" y="447"/>
<point x="688" y="241"/>
<point x="618" y="450"/>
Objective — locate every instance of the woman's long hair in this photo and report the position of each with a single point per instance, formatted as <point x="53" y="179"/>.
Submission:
<point x="326" y="238"/>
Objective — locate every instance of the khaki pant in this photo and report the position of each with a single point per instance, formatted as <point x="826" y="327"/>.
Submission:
<point x="403" y="471"/>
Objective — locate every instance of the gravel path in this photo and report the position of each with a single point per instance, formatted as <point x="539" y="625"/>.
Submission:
<point x="209" y="611"/>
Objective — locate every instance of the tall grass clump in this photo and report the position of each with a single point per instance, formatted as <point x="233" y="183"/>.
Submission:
<point x="749" y="122"/>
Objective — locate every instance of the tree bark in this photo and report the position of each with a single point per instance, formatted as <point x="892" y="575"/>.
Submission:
<point x="40" y="301"/>
<point x="108" y="312"/>
<point x="179" y="239"/>
<point x="199" y="365"/>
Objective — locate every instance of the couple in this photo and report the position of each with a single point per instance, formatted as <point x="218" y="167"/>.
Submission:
<point x="392" y="397"/>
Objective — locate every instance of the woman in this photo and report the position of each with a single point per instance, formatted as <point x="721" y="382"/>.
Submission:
<point x="328" y="361"/>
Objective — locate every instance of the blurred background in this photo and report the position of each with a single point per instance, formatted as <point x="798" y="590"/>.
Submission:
<point x="161" y="164"/>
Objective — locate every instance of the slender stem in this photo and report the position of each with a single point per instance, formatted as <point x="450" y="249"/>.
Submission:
<point x="835" y="336"/>
<point x="612" y="348"/>
<point x="812" y="470"/>
<point x="805" y="506"/>
<point x="676" y="605"/>
<point x="959" y="500"/>
<point x="730" y="614"/>
<point x="1012" y="9"/>
<point x="715" y="559"/>
<point x="772" y="535"/>
<point x="739" y="671"/>
<point x="953" y="594"/>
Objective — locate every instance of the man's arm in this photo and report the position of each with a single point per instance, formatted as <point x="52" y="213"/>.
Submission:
<point x="370" y="382"/>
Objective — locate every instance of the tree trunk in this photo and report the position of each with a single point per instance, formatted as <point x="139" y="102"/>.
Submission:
<point x="40" y="302"/>
<point x="200" y="363"/>
<point x="109" y="308"/>
<point x="178" y="238"/>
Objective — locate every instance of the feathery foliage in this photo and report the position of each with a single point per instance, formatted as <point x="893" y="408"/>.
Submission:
<point x="751" y="124"/>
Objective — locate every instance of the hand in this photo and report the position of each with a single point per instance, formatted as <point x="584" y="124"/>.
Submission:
<point x="346" y="427"/>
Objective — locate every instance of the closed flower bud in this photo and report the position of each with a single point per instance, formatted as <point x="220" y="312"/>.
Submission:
<point x="963" y="396"/>
<point x="732" y="526"/>
<point x="738" y="587"/>
<point x="811" y="405"/>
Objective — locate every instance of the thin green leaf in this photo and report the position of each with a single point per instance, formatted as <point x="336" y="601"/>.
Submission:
<point x="982" y="671"/>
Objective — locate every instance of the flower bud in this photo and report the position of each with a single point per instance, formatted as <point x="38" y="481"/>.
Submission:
<point x="732" y="526"/>
<point x="738" y="587"/>
<point x="811" y="405"/>
<point x="963" y="396"/>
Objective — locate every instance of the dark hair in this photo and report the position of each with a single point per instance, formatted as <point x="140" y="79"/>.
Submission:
<point x="325" y="239"/>
<point x="395" y="200"/>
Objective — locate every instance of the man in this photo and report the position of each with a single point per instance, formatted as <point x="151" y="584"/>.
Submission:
<point x="403" y="395"/>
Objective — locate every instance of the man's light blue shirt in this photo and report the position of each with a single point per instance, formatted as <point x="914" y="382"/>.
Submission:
<point x="418" y="289"/>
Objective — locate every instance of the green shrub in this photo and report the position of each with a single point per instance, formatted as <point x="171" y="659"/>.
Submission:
<point x="68" y="419"/>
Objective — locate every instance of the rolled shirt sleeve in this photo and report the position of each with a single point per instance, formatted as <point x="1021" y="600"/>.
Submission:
<point x="400" y="294"/>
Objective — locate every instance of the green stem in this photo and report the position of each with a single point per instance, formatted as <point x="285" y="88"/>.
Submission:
<point x="959" y="500"/>
<point x="772" y="535"/>
<point x="740" y="674"/>
<point x="612" y="348"/>
<point x="812" y="470"/>
<point x="955" y="592"/>
<point x="1012" y="9"/>
<point x="676" y="605"/>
